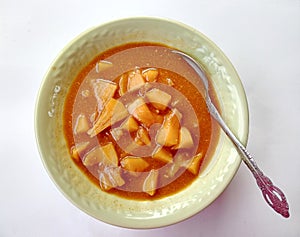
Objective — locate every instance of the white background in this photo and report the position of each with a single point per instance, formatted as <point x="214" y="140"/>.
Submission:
<point x="261" y="38"/>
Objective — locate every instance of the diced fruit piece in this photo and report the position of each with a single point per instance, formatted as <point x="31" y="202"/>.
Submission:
<point x="168" y="134"/>
<point x="77" y="149"/>
<point x="130" y="124"/>
<point x="93" y="117"/>
<point x="135" y="80"/>
<point x="183" y="161"/>
<point x="103" y="65"/>
<point x="114" y="111"/>
<point x="117" y="133"/>
<point x="158" y="118"/>
<point x="85" y="93"/>
<point x="110" y="154"/>
<point x="105" y="155"/>
<point x="158" y="98"/>
<point x="131" y="147"/>
<point x="162" y="154"/>
<point x="185" y="139"/>
<point x="146" y="87"/>
<point x="104" y="90"/>
<point x="134" y="164"/>
<point x="104" y="181"/>
<point x="170" y="82"/>
<point x="81" y="124"/>
<point x="122" y="134"/>
<point x="150" y="74"/>
<point x="194" y="165"/>
<point x="177" y="114"/>
<point x="142" y="136"/>
<point x="123" y="84"/>
<point x="110" y="177"/>
<point x="179" y="161"/>
<point x="150" y="183"/>
<point x="139" y="110"/>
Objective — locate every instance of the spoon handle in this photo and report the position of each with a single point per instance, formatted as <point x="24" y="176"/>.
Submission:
<point x="272" y="194"/>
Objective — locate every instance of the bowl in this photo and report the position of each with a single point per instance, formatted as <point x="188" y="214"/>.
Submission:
<point x="76" y="186"/>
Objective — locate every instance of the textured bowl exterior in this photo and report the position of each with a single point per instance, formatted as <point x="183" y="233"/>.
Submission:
<point x="76" y="186"/>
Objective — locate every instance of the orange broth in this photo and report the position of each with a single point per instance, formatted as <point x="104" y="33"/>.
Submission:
<point x="175" y="80"/>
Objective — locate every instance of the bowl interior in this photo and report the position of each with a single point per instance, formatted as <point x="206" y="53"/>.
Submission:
<point x="76" y="186"/>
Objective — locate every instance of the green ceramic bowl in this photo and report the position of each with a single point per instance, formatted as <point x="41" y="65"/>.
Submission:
<point x="76" y="186"/>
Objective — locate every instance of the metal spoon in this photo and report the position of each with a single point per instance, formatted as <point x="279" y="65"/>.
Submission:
<point x="272" y="194"/>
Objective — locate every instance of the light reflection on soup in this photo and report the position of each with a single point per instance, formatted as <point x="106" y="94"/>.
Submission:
<point x="136" y="122"/>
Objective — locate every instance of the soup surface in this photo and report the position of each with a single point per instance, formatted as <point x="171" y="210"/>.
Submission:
<point x="136" y="122"/>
